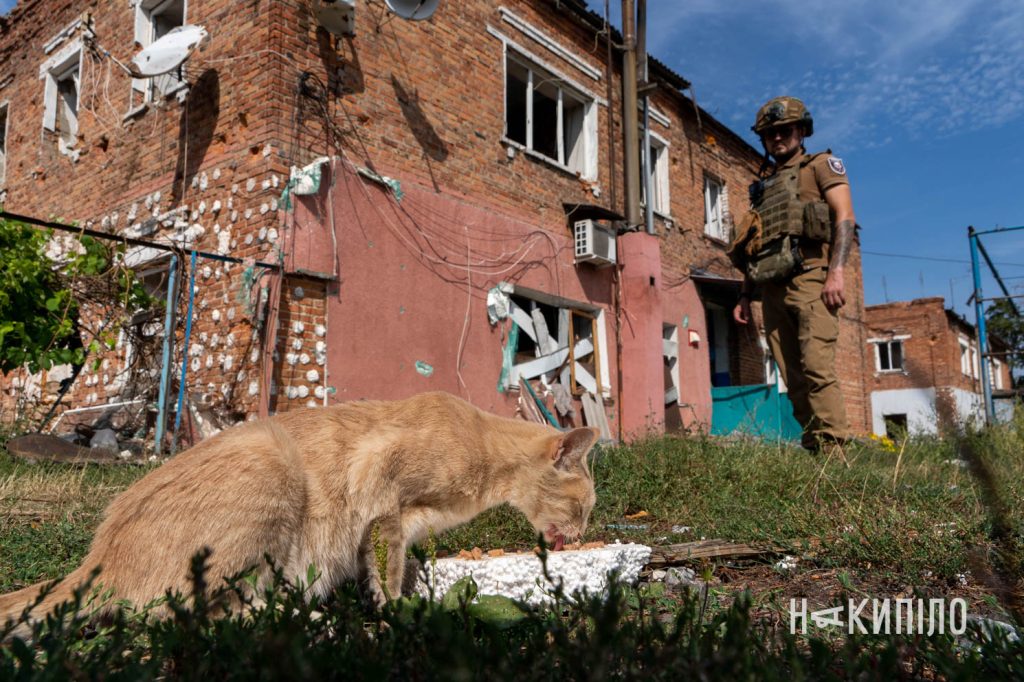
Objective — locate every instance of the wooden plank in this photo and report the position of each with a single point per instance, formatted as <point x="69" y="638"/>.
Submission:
<point x="606" y="432"/>
<point x="540" y="327"/>
<point x="523" y="321"/>
<point x="584" y="379"/>
<point x="667" y="555"/>
<point x="527" y="405"/>
<point x="546" y="363"/>
<point x="589" y="410"/>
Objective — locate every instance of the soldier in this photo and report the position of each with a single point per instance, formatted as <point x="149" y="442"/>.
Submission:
<point x="795" y="243"/>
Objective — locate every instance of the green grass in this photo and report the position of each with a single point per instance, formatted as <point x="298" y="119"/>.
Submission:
<point x="922" y="519"/>
<point x="48" y="513"/>
<point x="871" y="517"/>
<point x="919" y="521"/>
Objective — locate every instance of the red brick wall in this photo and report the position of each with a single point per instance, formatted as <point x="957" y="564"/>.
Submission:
<point x="421" y="102"/>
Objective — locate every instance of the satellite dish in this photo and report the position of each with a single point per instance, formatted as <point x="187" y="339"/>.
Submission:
<point x="169" y="52"/>
<point x="336" y="16"/>
<point x="416" y="10"/>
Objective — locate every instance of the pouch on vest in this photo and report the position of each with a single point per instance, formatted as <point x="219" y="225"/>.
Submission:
<point x="775" y="261"/>
<point x="817" y="221"/>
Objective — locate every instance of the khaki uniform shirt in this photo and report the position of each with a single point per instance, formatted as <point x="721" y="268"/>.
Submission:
<point x="823" y="172"/>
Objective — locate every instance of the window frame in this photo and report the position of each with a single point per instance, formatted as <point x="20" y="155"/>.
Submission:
<point x="581" y="159"/>
<point x="160" y="87"/>
<point x="722" y="206"/>
<point x="888" y="344"/>
<point x="562" y="342"/>
<point x="659" y="177"/>
<point x="66" y="65"/>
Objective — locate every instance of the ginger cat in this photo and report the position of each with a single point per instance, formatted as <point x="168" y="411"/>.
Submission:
<point x="308" y="486"/>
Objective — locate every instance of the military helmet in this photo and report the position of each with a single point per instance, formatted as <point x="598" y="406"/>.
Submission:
<point x="783" y="110"/>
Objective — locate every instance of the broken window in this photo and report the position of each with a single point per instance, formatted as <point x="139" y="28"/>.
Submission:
<point x="889" y="355"/>
<point x="658" y="177"/>
<point x="560" y="342"/>
<point x="60" y="110"/>
<point x="716" y="206"/>
<point x="153" y="20"/>
<point x="895" y="425"/>
<point x="546" y="117"/>
<point x="3" y="143"/>
<point x="670" y="352"/>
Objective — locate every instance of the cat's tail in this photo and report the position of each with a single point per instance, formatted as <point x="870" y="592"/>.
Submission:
<point x="20" y="609"/>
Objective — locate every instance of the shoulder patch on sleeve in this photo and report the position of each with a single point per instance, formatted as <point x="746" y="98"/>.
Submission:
<point x="836" y="165"/>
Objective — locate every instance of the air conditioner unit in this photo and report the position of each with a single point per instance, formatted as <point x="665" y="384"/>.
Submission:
<point x="594" y="244"/>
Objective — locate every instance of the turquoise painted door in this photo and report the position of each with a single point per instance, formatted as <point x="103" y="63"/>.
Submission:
<point x="757" y="409"/>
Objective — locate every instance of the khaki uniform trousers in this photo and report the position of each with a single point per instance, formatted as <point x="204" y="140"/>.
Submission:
<point x="802" y="334"/>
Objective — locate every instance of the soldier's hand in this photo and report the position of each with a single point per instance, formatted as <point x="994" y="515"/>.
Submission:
<point x="741" y="313"/>
<point x="833" y="293"/>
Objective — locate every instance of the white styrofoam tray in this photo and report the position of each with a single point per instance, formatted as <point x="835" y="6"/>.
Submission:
<point x="521" y="576"/>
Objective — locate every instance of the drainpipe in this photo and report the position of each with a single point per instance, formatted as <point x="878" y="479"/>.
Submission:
<point x="641" y="28"/>
<point x="165" y="372"/>
<point x="630" y="124"/>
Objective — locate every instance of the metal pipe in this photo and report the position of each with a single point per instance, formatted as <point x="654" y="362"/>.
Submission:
<point x="630" y="124"/>
<point x="165" y="371"/>
<point x="127" y="240"/>
<point x="613" y="194"/>
<point x="641" y="24"/>
<point x="979" y="320"/>
<point x="184" y="354"/>
<point x="999" y="280"/>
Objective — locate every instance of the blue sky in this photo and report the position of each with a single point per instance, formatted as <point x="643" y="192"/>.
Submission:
<point x="924" y="102"/>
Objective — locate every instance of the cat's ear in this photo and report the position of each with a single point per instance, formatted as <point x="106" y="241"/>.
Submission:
<point x="569" y="449"/>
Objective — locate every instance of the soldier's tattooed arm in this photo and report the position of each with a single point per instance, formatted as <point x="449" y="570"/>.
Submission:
<point x="833" y="293"/>
<point x="842" y="242"/>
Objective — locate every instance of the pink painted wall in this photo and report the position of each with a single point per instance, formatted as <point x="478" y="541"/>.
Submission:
<point x="682" y="306"/>
<point x="643" y="384"/>
<point x="412" y="286"/>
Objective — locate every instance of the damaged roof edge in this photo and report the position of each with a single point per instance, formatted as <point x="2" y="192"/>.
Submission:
<point x="659" y="69"/>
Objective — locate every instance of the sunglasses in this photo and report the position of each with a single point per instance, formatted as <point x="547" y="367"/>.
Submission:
<point x="784" y="131"/>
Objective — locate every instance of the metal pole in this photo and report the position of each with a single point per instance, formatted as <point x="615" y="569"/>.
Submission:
<point x="165" y="371"/>
<point x="630" y="124"/>
<point x="979" y="319"/>
<point x="184" y="354"/>
<point x="641" y="24"/>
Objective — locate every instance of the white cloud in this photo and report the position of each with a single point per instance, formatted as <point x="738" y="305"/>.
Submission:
<point x="869" y="69"/>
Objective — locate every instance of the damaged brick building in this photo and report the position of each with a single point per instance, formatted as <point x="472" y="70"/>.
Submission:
<point x="415" y="205"/>
<point x="925" y="376"/>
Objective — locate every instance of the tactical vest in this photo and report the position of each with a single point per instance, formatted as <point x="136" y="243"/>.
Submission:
<point x="777" y="201"/>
